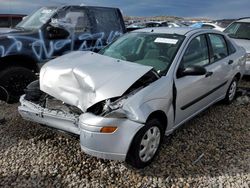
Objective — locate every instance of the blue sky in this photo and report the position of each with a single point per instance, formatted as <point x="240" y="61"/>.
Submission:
<point x="186" y="8"/>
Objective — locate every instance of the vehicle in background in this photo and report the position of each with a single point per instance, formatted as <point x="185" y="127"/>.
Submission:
<point x="136" y="26"/>
<point x="124" y="99"/>
<point x="175" y="24"/>
<point x="49" y="33"/>
<point x="207" y="26"/>
<point x="224" y="22"/>
<point x="10" y="20"/>
<point x="239" y="31"/>
<point x="186" y="23"/>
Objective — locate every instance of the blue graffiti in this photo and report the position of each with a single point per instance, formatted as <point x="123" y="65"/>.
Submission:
<point x="41" y="49"/>
<point x="14" y="45"/>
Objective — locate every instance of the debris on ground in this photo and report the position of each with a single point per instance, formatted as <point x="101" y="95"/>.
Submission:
<point x="198" y="159"/>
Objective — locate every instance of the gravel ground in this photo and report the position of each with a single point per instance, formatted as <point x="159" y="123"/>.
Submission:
<point x="212" y="150"/>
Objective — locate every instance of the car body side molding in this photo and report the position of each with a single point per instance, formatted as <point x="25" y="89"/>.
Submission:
<point x="203" y="96"/>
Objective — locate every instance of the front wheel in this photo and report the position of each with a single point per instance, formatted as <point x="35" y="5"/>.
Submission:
<point x="145" y="144"/>
<point x="14" y="80"/>
<point x="231" y="92"/>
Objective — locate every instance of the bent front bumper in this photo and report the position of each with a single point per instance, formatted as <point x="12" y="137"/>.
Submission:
<point x="107" y="145"/>
<point x="93" y="142"/>
<point x="52" y="118"/>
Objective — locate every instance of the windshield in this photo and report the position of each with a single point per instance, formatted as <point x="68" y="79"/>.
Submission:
<point x="239" y="30"/>
<point x="37" y="19"/>
<point x="150" y="49"/>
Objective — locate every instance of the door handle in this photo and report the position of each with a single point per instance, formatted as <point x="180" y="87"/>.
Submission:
<point x="230" y="62"/>
<point x="208" y="74"/>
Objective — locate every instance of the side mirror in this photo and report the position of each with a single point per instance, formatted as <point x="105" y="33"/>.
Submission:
<point x="57" y="33"/>
<point x="23" y="18"/>
<point x="191" y="71"/>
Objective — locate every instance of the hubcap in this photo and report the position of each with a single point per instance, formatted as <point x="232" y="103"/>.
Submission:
<point x="149" y="144"/>
<point x="232" y="90"/>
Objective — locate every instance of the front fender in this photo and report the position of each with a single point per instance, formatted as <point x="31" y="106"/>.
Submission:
<point x="141" y="113"/>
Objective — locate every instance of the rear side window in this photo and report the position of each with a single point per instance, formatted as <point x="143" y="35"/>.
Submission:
<point x="219" y="47"/>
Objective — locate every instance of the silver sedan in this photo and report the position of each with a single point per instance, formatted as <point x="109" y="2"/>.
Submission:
<point x="124" y="99"/>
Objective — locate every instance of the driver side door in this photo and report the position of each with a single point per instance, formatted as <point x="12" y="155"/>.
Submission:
<point x="192" y="92"/>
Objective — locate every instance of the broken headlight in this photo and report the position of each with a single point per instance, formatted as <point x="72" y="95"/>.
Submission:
<point x="119" y="113"/>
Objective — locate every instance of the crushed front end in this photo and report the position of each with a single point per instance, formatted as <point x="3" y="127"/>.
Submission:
<point x="41" y="108"/>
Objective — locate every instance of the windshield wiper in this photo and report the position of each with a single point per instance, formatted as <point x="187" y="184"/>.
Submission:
<point x="20" y="28"/>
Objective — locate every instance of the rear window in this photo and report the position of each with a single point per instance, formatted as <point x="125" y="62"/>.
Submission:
<point x="106" y="20"/>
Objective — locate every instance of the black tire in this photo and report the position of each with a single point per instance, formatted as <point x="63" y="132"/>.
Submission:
<point x="14" y="80"/>
<point x="133" y="156"/>
<point x="229" y="95"/>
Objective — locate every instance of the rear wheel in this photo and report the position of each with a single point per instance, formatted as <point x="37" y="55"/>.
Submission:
<point x="231" y="92"/>
<point x="145" y="144"/>
<point x="14" y="80"/>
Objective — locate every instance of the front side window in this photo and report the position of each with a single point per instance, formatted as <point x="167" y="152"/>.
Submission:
<point x="219" y="47"/>
<point x="239" y="30"/>
<point x="150" y="49"/>
<point x="196" y="53"/>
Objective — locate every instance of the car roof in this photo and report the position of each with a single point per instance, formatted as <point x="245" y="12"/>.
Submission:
<point x="167" y="30"/>
<point x="244" y="20"/>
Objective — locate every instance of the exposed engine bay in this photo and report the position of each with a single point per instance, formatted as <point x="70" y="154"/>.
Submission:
<point x="103" y="108"/>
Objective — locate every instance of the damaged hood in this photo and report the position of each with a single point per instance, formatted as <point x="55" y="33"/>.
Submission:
<point x="83" y="79"/>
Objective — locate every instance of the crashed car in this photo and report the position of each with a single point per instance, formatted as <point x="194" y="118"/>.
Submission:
<point x="124" y="99"/>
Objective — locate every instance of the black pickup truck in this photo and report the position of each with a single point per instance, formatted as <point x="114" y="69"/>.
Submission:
<point x="48" y="33"/>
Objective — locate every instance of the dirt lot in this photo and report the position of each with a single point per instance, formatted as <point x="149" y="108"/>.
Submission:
<point x="211" y="150"/>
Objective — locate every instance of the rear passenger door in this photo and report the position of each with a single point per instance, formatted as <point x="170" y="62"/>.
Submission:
<point x="220" y="64"/>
